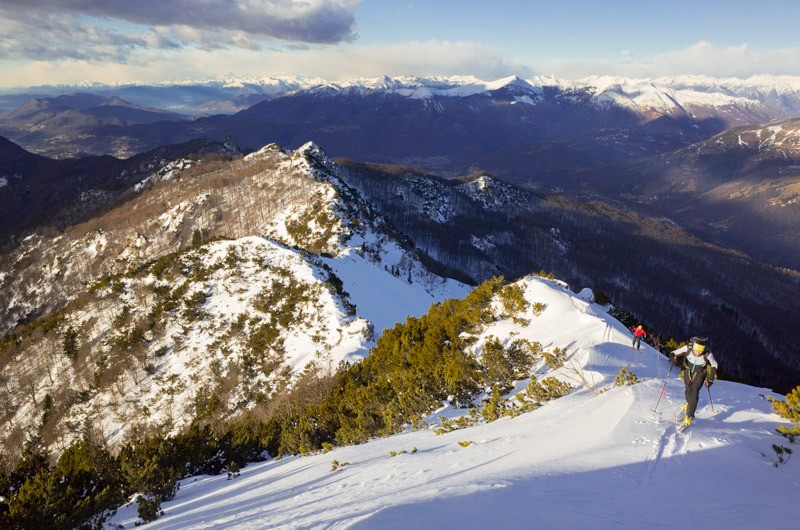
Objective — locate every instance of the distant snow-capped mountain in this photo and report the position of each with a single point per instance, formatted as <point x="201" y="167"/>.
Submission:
<point x="452" y="123"/>
<point x="781" y="93"/>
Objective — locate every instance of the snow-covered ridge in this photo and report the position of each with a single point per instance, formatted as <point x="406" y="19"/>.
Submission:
<point x="781" y="138"/>
<point x="195" y="327"/>
<point x="167" y="172"/>
<point x="490" y="193"/>
<point x="597" y="458"/>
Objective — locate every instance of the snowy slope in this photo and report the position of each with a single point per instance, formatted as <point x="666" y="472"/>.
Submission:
<point x="592" y="459"/>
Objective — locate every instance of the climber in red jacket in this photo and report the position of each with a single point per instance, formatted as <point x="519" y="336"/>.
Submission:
<point x="638" y="333"/>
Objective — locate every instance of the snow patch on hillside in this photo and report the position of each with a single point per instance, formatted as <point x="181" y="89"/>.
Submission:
<point x="167" y="172"/>
<point x="490" y="193"/>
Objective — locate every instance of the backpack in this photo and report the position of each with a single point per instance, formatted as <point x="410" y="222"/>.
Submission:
<point x="689" y="346"/>
<point x="711" y="372"/>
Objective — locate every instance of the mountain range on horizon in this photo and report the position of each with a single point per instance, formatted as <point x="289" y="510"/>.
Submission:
<point x="210" y="95"/>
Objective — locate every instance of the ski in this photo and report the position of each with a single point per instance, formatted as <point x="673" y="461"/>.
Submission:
<point x="680" y="426"/>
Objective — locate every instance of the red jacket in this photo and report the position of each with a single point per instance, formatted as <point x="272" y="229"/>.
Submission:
<point x="639" y="332"/>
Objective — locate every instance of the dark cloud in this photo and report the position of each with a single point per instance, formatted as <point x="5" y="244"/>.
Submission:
<point x="44" y="37"/>
<point x="69" y="29"/>
<point x="308" y="21"/>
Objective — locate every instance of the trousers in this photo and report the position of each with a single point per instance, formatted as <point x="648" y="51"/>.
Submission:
<point x="694" y="382"/>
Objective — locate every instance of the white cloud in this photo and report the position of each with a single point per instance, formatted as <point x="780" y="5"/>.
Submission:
<point x="175" y="61"/>
<point x="413" y="58"/>
<point x="701" y="58"/>
<point x="333" y="63"/>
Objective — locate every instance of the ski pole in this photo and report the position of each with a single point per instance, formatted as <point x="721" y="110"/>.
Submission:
<point x="663" y="388"/>
<point x="711" y="400"/>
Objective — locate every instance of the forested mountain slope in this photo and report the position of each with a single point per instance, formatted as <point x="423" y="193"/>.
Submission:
<point x="674" y="282"/>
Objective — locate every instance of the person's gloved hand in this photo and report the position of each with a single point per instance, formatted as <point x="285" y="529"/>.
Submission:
<point x="709" y="382"/>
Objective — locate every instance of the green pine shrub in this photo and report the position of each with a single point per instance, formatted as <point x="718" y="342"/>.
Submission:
<point x="513" y="299"/>
<point x="148" y="508"/>
<point x="495" y="406"/>
<point x="460" y="422"/>
<point x="413" y="368"/>
<point x="625" y="378"/>
<point x="69" y="344"/>
<point x="85" y="482"/>
<point x="538" y="308"/>
<point x="556" y="358"/>
<point x="600" y="297"/>
<point x="338" y="466"/>
<point x="540" y="392"/>
<point x="498" y="366"/>
<point x="790" y="410"/>
<point x="192" y="306"/>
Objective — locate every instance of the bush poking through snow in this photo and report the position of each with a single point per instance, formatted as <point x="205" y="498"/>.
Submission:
<point x="495" y="407"/>
<point x="149" y="509"/>
<point x="233" y="470"/>
<point x="790" y="410"/>
<point x="539" y="393"/>
<point x="782" y="455"/>
<point x="555" y="360"/>
<point x="498" y="366"/>
<point x="625" y="378"/>
<point x="461" y="422"/>
<point x="513" y="299"/>
<point x="505" y="365"/>
<point x="338" y="466"/>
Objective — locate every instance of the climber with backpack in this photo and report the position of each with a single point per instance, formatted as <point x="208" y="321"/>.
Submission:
<point x="698" y="367"/>
<point x="638" y="334"/>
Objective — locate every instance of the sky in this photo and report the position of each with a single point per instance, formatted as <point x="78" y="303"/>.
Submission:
<point x="120" y="41"/>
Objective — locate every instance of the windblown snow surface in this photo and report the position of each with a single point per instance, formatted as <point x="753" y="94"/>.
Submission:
<point x="599" y="459"/>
